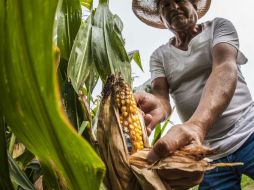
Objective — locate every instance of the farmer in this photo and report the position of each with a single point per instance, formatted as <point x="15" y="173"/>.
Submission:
<point x="200" y="68"/>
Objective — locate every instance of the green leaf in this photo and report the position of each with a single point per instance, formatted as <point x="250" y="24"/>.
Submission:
<point x="81" y="56"/>
<point x="87" y="3"/>
<point x="30" y="97"/>
<point x="18" y="176"/>
<point x="91" y="82"/>
<point x="71" y="104"/>
<point x="157" y="133"/>
<point x="24" y="158"/>
<point x="136" y="57"/>
<point x="68" y="23"/>
<point x="159" y="130"/>
<point x="5" y="182"/>
<point x="98" y="50"/>
<point x="108" y="50"/>
<point x="84" y="125"/>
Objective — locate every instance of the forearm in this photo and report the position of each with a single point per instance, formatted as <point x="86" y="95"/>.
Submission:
<point x="165" y="104"/>
<point x="160" y="91"/>
<point x="216" y="96"/>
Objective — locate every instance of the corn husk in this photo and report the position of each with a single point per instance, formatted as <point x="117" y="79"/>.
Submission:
<point x="112" y="145"/>
<point x="131" y="171"/>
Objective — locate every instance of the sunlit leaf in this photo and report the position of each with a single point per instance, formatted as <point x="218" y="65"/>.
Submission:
<point x="87" y="3"/>
<point x="134" y="55"/>
<point x="91" y="82"/>
<point x="31" y="102"/>
<point x="84" y="125"/>
<point x="68" y="21"/>
<point x="108" y="49"/>
<point x="81" y="56"/>
<point x="157" y="133"/>
<point x="159" y="130"/>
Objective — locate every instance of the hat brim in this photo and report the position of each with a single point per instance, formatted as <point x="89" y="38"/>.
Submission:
<point x="147" y="11"/>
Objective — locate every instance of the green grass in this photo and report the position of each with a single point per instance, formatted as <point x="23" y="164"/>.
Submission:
<point x="246" y="184"/>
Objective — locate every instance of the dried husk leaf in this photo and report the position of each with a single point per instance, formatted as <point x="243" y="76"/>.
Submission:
<point x="191" y="158"/>
<point x="148" y="179"/>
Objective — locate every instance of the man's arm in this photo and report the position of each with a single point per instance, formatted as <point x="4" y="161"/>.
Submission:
<point x="216" y="96"/>
<point x="156" y="106"/>
<point x="160" y="89"/>
<point x="219" y="88"/>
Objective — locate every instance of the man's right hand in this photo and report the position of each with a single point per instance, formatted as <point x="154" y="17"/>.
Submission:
<point x="153" y="108"/>
<point x="176" y="138"/>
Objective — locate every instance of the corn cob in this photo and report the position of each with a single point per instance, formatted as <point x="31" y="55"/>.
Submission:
<point x="129" y="116"/>
<point x="120" y="133"/>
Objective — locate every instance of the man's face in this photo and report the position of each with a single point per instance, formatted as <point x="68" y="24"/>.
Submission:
<point x="178" y="15"/>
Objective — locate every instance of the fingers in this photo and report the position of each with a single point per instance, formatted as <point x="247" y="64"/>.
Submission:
<point x="150" y="123"/>
<point x="143" y="102"/>
<point x="160" y="150"/>
<point x="175" y="139"/>
<point x="140" y="97"/>
<point x="148" y="119"/>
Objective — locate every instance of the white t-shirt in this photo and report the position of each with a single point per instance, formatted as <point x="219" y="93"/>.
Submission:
<point x="187" y="73"/>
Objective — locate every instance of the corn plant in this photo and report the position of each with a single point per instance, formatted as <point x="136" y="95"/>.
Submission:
<point x="31" y="102"/>
<point x="51" y="61"/>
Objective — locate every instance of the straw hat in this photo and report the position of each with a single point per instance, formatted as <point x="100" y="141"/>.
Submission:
<point x="147" y="11"/>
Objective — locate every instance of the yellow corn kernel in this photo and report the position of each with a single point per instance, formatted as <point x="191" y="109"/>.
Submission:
<point x="125" y="114"/>
<point x="131" y="127"/>
<point x="123" y="102"/>
<point x="135" y="124"/>
<point x="122" y="97"/>
<point x="123" y="109"/>
<point x="130" y="120"/>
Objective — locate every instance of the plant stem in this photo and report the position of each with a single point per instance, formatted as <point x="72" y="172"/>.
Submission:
<point x="12" y="142"/>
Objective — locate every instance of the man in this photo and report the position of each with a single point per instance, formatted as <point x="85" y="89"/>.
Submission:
<point x="199" y="68"/>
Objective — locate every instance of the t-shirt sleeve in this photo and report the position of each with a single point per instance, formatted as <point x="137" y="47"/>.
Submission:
<point x="225" y="32"/>
<point x="156" y="66"/>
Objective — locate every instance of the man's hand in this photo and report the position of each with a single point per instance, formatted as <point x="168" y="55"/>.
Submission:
<point x="152" y="106"/>
<point x="176" y="138"/>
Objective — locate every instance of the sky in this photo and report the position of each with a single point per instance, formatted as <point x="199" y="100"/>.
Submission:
<point x="146" y="39"/>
